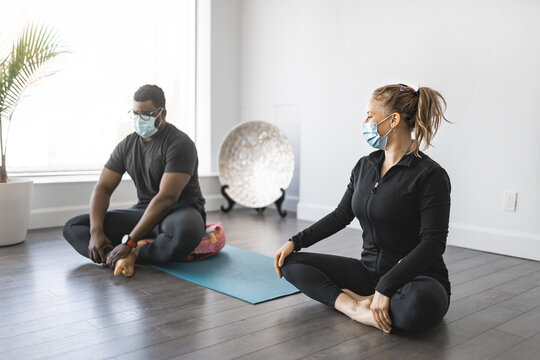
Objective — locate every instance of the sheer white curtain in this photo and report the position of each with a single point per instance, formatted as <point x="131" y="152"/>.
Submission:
<point x="72" y="120"/>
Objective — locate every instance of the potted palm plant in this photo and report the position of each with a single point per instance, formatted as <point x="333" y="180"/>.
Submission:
<point x="21" y="67"/>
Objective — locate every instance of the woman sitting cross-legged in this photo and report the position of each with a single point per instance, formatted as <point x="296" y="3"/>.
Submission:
<point x="402" y="199"/>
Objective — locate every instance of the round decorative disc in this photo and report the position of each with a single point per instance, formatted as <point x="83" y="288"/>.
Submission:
<point x="256" y="160"/>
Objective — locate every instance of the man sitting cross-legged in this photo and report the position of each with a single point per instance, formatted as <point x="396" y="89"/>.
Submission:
<point x="169" y="220"/>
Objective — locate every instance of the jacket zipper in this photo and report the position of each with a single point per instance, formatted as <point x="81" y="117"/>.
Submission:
<point x="370" y="196"/>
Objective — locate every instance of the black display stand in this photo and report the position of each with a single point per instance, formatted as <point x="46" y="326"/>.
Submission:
<point x="231" y="202"/>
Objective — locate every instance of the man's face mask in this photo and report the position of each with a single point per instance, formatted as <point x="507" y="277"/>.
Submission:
<point x="144" y="123"/>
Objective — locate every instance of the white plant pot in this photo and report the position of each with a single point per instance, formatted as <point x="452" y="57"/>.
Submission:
<point x="15" y="205"/>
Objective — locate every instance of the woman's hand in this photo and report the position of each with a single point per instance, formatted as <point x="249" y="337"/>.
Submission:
<point x="379" y="308"/>
<point x="281" y="254"/>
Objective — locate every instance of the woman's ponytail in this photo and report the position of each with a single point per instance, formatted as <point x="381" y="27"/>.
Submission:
<point x="423" y="110"/>
<point x="429" y="116"/>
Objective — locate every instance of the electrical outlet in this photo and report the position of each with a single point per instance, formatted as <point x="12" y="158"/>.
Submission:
<point x="510" y="201"/>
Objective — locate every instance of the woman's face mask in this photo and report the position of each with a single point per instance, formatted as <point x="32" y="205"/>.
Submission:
<point x="371" y="134"/>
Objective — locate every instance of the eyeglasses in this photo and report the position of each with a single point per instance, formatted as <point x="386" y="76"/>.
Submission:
<point x="145" y="115"/>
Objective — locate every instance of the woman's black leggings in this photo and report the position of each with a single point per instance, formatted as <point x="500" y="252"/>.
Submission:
<point x="174" y="237"/>
<point x="417" y="306"/>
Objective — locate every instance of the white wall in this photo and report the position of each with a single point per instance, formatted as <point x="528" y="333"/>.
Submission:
<point x="270" y="81"/>
<point x="325" y="57"/>
<point x="231" y="102"/>
<point x="226" y="93"/>
<point x="225" y="72"/>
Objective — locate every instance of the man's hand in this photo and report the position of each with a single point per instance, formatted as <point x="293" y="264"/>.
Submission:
<point x="96" y="247"/>
<point x="379" y="308"/>
<point x="119" y="252"/>
<point x="99" y="202"/>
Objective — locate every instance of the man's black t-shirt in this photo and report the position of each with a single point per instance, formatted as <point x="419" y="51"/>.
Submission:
<point x="171" y="150"/>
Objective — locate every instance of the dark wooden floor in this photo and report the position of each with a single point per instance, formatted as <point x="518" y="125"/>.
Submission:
<point x="56" y="304"/>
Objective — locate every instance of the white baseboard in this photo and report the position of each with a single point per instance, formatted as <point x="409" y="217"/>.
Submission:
<point x="499" y="241"/>
<point x="314" y="212"/>
<point x="213" y="202"/>
<point x="290" y="204"/>
<point x="58" y="216"/>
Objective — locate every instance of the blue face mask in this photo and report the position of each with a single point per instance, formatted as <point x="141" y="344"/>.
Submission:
<point x="144" y="125"/>
<point x="371" y="135"/>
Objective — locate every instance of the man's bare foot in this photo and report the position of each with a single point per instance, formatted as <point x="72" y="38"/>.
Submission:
<point x="125" y="266"/>
<point x="356" y="307"/>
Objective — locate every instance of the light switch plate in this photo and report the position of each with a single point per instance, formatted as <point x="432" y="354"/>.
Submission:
<point x="510" y="201"/>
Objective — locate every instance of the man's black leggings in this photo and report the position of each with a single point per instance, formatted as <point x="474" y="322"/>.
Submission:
<point x="174" y="237"/>
<point x="417" y="306"/>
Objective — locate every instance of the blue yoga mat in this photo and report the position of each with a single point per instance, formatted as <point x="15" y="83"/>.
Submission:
<point x="236" y="272"/>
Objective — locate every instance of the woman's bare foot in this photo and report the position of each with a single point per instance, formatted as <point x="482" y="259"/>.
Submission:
<point x="355" y="296"/>
<point x="356" y="307"/>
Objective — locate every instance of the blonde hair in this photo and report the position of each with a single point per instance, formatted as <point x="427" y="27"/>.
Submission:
<point x="421" y="109"/>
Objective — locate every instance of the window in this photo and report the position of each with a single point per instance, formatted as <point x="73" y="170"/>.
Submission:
<point x="72" y="120"/>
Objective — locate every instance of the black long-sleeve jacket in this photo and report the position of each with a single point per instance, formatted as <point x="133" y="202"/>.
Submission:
<point x="404" y="218"/>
